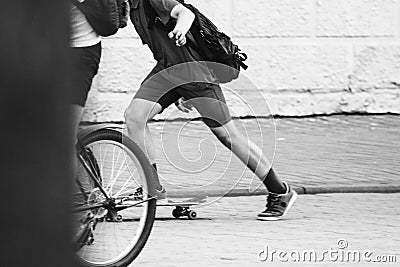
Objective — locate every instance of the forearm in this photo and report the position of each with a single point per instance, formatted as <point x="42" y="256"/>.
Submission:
<point x="184" y="18"/>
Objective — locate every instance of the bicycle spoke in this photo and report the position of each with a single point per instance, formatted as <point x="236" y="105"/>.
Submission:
<point x="102" y="159"/>
<point x="124" y="186"/>
<point x="118" y="174"/>
<point x="116" y="223"/>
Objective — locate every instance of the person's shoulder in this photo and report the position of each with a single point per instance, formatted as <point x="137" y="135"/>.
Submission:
<point x="164" y="6"/>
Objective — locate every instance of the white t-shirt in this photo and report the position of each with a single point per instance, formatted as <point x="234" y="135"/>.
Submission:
<point x="82" y="34"/>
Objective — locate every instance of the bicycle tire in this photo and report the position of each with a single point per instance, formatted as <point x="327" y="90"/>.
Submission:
<point x="109" y="135"/>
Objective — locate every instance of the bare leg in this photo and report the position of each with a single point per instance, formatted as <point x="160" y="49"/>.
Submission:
<point x="76" y="114"/>
<point x="137" y="115"/>
<point x="250" y="154"/>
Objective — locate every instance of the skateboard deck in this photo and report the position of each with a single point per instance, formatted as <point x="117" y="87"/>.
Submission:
<point x="182" y="206"/>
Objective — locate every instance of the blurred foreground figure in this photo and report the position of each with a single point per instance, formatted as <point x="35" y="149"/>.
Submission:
<point x="35" y="134"/>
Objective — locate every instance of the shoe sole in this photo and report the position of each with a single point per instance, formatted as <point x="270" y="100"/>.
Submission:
<point x="291" y="202"/>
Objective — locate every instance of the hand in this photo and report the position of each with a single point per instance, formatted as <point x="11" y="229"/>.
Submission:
<point x="180" y="38"/>
<point x="183" y="105"/>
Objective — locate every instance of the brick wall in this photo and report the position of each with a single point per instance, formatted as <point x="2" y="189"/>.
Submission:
<point x="305" y="57"/>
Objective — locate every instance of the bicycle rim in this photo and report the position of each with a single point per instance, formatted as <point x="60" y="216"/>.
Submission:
<point x="116" y="236"/>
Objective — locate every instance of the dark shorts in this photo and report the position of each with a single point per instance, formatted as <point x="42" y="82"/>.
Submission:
<point x="208" y="99"/>
<point x="85" y="64"/>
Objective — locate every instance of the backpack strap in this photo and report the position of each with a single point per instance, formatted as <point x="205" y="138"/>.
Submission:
<point x="150" y="13"/>
<point x="199" y="44"/>
<point x="240" y="57"/>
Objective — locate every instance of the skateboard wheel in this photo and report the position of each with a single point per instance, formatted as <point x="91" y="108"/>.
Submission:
<point x="192" y="215"/>
<point x="176" y="213"/>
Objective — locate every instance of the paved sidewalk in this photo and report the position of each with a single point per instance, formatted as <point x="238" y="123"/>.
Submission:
<point x="356" y="152"/>
<point x="227" y="234"/>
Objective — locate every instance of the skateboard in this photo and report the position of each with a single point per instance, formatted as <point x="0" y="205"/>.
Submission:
<point x="183" y="206"/>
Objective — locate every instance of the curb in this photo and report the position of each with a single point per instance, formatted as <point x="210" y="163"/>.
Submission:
<point x="306" y="190"/>
<point x="351" y="189"/>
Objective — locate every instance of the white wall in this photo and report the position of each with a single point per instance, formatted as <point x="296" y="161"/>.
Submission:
<point x="305" y="56"/>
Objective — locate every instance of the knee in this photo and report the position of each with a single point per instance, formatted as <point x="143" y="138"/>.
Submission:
<point x="228" y="135"/>
<point x="226" y="138"/>
<point x="134" y="119"/>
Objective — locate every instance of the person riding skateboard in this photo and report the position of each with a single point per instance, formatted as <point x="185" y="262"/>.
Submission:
<point x="158" y="91"/>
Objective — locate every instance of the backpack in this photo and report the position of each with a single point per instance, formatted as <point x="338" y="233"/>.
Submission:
<point x="213" y="45"/>
<point x="105" y="16"/>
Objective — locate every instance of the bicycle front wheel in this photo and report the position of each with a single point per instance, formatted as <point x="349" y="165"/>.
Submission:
<point x="113" y="205"/>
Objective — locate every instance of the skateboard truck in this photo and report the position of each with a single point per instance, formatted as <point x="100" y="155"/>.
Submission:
<point x="184" y="211"/>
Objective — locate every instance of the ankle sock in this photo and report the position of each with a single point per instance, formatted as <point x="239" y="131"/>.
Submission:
<point x="273" y="184"/>
<point x="158" y="186"/>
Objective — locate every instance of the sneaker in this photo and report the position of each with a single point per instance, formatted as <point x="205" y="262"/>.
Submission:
<point x="278" y="205"/>
<point x="161" y="194"/>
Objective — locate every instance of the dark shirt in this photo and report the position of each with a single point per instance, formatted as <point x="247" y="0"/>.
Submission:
<point x="164" y="8"/>
<point x="155" y="35"/>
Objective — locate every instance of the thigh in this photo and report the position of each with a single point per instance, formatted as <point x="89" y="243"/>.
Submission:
<point x="142" y="110"/>
<point x="85" y="65"/>
<point x="210" y="103"/>
<point x="229" y="129"/>
<point x="76" y="114"/>
<point x="157" y="89"/>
